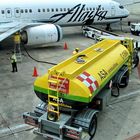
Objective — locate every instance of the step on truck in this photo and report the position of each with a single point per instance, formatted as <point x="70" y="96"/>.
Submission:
<point x="77" y="89"/>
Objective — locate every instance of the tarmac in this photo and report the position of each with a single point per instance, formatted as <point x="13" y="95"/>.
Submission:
<point x="119" y="121"/>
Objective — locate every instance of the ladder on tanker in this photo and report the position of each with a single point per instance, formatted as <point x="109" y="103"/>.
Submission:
<point x="17" y="51"/>
<point x="53" y="98"/>
<point x="129" y="45"/>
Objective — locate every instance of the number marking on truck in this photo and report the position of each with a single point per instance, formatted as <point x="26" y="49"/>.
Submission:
<point x="124" y="54"/>
<point x="102" y="74"/>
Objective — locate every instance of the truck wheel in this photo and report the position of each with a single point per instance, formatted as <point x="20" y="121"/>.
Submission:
<point x="86" y="34"/>
<point x="135" y="61"/>
<point x="93" y="126"/>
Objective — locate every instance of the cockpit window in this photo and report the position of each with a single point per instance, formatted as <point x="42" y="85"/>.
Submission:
<point x="121" y="7"/>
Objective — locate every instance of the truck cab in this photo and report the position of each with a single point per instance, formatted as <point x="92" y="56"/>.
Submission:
<point x="135" y="28"/>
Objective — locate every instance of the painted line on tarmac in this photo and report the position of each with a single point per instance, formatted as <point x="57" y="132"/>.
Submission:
<point x="125" y="97"/>
<point x="15" y="129"/>
<point x="130" y="94"/>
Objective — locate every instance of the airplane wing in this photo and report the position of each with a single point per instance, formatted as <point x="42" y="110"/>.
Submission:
<point x="11" y="31"/>
<point x="7" y="29"/>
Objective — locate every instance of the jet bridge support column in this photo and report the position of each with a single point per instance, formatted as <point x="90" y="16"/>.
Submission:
<point x="17" y="48"/>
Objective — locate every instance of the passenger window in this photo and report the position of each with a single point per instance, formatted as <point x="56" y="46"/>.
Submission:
<point x="93" y="8"/>
<point x="17" y="11"/>
<point x="61" y="9"/>
<point x="43" y="10"/>
<point x="56" y="10"/>
<point x="21" y="11"/>
<point x="52" y="10"/>
<point x="64" y="9"/>
<point x="90" y="9"/>
<point x="26" y="11"/>
<point x="8" y="11"/>
<point x="30" y="10"/>
<point x="87" y="9"/>
<point x="2" y="11"/>
<point x="103" y="8"/>
<point x="48" y="10"/>
<point x="39" y="10"/>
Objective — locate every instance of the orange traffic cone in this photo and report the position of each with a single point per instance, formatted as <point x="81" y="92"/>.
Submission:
<point x="35" y="72"/>
<point x="65" y="46"/>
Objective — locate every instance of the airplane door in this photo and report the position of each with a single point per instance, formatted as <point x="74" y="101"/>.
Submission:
<point x="8" y="12"/>
<point x="17" y="12"/>
<point x="113" y="10"/>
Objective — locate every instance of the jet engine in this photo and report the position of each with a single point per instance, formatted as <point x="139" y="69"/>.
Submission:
<point x="42" y="34"/>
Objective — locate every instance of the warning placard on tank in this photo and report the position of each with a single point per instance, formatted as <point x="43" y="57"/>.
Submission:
<point x="62" y="85"/>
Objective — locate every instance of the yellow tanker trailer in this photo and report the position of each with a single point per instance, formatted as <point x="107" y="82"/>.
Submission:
<point x="74" y="85"/>
<point x="79" y="79"/>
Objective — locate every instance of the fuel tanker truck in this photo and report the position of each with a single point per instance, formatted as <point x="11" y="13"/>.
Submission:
<point x="74" y="91"/>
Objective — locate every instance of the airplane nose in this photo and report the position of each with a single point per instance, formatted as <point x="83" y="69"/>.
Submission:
<point x="126" y="12"/>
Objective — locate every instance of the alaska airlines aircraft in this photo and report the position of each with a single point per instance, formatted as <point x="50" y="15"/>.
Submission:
<point x="39" y="21"/>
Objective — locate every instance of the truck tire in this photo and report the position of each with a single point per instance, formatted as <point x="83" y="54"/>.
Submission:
<point x="93" y="126"/>
<point x="86" y="34"/>
<point x="135" y="61"/>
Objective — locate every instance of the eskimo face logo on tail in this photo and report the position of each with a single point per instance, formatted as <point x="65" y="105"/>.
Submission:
<point x="79" y="14"/>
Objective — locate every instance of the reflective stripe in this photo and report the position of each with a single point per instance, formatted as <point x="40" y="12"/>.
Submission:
<point x="13" y="58"/>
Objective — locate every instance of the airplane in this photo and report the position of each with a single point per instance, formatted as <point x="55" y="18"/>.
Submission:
<point x="40" y="22"/>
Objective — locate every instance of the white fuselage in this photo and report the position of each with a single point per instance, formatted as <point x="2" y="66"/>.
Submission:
<point x="39" y="21"/>
<point x="62" y="12"/>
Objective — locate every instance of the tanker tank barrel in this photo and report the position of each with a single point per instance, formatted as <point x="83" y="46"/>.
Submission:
<point x="82" y="76"/>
